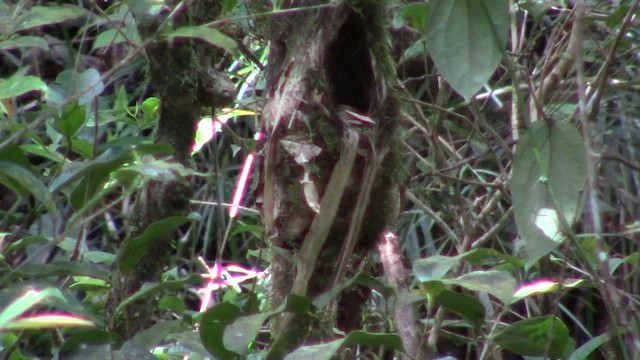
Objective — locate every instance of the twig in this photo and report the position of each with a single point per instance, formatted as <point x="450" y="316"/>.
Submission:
<point x="594" y="96"/>
<point x="606" y="287"/>
<point x="506" y="217"/>
<point x="433" y="215"/>
<point x="371" y="168"/>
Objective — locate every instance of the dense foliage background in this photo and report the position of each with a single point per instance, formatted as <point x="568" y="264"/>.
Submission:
<point x="520" y="207"/>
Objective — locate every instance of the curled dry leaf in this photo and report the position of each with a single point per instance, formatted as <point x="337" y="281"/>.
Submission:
<point x="310" y="192"/>
<point x="302" y="153"/>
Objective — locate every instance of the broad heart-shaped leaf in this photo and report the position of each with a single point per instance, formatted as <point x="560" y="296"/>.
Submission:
<point x="327" y="350"/>
<point x="539" y="336"/>
<point x="212" y="36"/>
<point x="467" y="39"/>
<point x="239" y="334"/>
<point x="70" y="85"/>
<point x="212" y="329"/>
<point x="135" y="248"/>
<point x="497" y="283"/>
<point x="549" y="172"/>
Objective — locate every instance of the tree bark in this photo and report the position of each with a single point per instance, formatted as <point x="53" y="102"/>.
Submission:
<point x="183" y="73"/>
<point x="331" y="163"/>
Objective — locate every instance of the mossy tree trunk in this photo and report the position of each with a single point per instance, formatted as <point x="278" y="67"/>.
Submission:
<point x="331" y="163"/>
<point x="183" y="73"/>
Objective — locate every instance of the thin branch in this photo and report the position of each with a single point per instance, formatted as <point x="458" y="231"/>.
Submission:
<point x="438" y="220"/>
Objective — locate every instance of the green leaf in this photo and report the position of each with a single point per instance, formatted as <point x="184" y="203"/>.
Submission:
<point x="173" y="303"/>
<point x="467" y="306"/>
<point x="434" y="267"/>
<point x="491" y="257"/>
<point x="128" y="351"/>
<point x="62" y="268"/>
<point x="82" y="339"/>
<point x="48" y="321"/>
<point x="239" y="334"/>
<point x="298" y="304"/>
<point x="14" y="154"/>
<point x="388" y="341"/>
<point x="254" y="229"/>
<point x="134" y="249"/>
<point x="549" y="173"/>
<point x="31" y="183"/>
<point x="151" y="337"/>
<point x="212" y="329"/>
<point x="158" y="169"/>
<point x="26" y="241"/>
<point x="42" y="150"/>
<point x="190" y="340"/>
<point x="47" y="15"/>
<point x="316" y="352"/>
<point x="212" y="36"/>
<point x="539" y="336"/>
<point x="85" y="283"/>
<point x="583" y="352"/>
<point x="82" y="147"/>
<point x="366" y="280"/>
<point x="25" y="42"/>
<point x="467" y="39"/>
<point x="149" y="289"/>
<point x="19" y="84"/>
<point x="72" y="119"/>
<point x="148" y="10"/>
<point x="228" y="5"/>
<point x="102" y="165"/>
<point x="361" y="279"/>
<point x="100" y="257"/>
<point x="497" y="283"/>
<point x="108" y="38"/>
<point x="21" y="305"/>
<point x="416" y="15"/>
<point x="151" y="108"/>
<point x="69" y="85"/>
<point x="327" y="350"/>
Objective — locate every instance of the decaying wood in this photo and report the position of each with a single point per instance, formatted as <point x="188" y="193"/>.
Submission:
<point x="317" y="235"/>
<point x="323" y="61"/>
